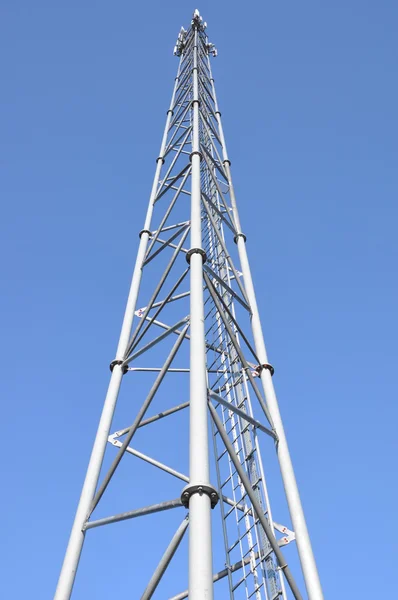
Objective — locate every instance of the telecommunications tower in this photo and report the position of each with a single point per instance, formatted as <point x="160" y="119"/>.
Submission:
<point x="197" y="384"/>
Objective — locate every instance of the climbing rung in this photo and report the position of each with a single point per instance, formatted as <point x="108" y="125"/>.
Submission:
<point x="252" y="548"/>
<point x="226" y="481"/>
<point x="232" y="428"/>
<point x="256" y="588"/>
<point x="242" y="537"/>
<point x="241" y="580"/>
<point x="248" y="512"/>
<point x="231" y="510"/>
<point x="221" y="455"/>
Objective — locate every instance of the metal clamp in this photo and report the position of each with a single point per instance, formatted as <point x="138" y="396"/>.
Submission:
<point x="270" y="368"/>
<point x="196" y="251"/>
<point x="118" y="362"/>
<point x="199" y="488"/>
<point x="160" y="158"/>
<point x="238" y="235"/>
<point x="144" y="231"/>
<point x="195" y="152"/>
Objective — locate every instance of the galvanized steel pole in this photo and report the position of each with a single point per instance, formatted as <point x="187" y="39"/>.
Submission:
<point x="307" y="559"/>
<point x="76" y="539"/>
<point x="200" y="546"/>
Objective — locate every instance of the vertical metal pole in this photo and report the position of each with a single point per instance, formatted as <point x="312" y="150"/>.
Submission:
<point x="76" y="540"/>
<point x="200" y="547"/>
<point x="307" y="559"/>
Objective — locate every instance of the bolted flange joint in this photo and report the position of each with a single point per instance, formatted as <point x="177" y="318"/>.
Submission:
<point x="195" y="152"/>
<point x="196" y="251"/>
<point x="267" y="366"/>
<point x="144" y="231"/>
<point x="118" y="362"/>
<point x="199" y="488"/>
<point x="238" y="235"/>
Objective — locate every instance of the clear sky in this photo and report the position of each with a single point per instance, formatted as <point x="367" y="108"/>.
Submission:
<point x="309" y="98"/>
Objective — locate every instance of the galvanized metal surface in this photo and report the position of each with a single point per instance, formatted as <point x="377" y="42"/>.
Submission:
<point x="217" y="344"/>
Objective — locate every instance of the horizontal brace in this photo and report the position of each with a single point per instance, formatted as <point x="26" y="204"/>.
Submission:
<point x="170" y="227"/>
<point x="156" y="369"/>
<point x="132" y="514"/>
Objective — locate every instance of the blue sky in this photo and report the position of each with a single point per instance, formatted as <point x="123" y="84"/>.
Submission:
<point x="308" y="95"/>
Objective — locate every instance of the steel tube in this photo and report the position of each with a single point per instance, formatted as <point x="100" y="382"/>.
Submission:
<point x="151" y="461"/>
<point x="165" y="560"/>
<point x="165" y="413"/>
<point x="255" y="503"/>
<point x="76" y="539"/>
<point x="149" y="420"/>
<point x="159" y="286"/>
<point x="306" y="555"/>
<point x="169" y="470"/>
<point x="137" y="420"/>
<point x="132" y="514"/>
<point x="200" y="546"/>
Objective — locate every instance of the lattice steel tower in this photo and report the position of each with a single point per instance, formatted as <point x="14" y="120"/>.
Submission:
<point x="198" y="317"/>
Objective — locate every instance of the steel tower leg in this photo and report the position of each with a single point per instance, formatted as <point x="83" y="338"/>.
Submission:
<point x="193" y="148"/>
<point x="76" y="539"/>
<point x="200" y="546"/>
<point x="307" y="559"/>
